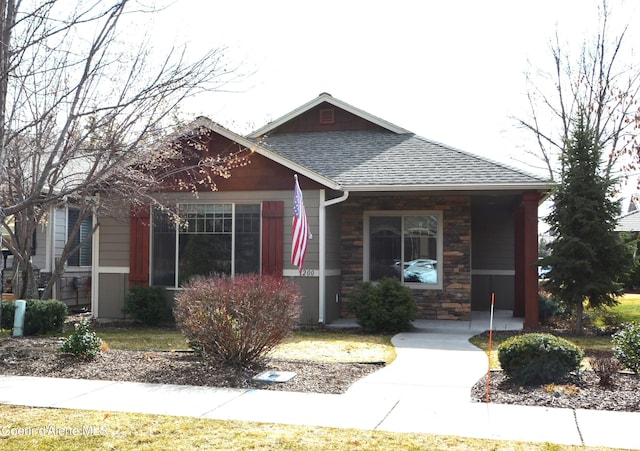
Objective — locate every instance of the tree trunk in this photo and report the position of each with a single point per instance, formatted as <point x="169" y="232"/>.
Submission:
<point x="579" y="313"/>
<point x="24" y="283"/>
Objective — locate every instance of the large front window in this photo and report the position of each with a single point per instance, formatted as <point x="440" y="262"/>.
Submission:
<point x="212" y="239"/>
<point x="406" y="245"/>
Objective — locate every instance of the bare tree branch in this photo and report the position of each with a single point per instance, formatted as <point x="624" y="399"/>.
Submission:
<point x="599" y="81"/>
<point x="83" y="111"/>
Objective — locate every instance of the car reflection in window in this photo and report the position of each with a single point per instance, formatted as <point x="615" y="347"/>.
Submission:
<point x="421" y="270"/>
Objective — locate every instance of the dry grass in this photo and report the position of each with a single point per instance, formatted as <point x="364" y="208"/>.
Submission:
<point x="334" y="347"/>
<point x="143" y="339"/>
<point x="38" y="429"/>
<point x="327" y="347"/>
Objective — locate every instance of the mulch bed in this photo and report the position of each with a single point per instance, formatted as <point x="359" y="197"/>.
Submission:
<point x="39" y="356"/>
<point x="586" y="393"/>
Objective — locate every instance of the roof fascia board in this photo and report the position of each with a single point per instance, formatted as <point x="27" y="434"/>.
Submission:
<point x="451" y="187"/>
<point x="335" y="102"/>
<point x="277" y="158"/>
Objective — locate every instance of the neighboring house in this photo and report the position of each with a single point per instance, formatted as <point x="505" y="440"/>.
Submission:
<point x="630" y="221"/>
<point x="380" y="201"/>
<point x="74" y="286"/>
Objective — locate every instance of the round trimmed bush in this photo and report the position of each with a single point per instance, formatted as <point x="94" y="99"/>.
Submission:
<point x="538" y="358"/>
<point x="387" y="306"/>
<point x="626" y="346"/>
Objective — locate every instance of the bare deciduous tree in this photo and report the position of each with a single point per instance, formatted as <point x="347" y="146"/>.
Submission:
<point x="603" y="82"/>
<point x="84" y="113"/>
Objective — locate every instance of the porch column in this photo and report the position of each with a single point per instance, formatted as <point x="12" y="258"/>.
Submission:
<point x="526" y="260"/>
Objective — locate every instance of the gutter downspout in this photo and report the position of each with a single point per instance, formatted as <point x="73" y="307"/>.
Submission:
<point x="322" y="244"/>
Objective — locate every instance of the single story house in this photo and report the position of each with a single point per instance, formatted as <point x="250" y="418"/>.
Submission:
<point x="380" y="202"/>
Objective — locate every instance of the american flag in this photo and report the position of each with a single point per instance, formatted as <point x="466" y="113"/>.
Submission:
<point x="299" y="229"/>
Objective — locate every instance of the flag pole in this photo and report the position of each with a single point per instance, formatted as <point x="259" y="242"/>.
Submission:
<point x="493" y="297"/>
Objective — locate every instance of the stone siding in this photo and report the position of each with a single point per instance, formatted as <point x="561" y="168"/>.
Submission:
<point x="453" y="301"/>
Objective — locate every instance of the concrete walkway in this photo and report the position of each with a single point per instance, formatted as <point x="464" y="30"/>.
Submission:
<point x="425" y="390"/>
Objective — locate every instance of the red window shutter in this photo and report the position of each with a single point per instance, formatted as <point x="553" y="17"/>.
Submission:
<point x="272" y="237"/>
<point x="140" y="225"/>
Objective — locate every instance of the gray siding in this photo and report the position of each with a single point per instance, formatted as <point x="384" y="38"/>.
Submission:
<point x="309" y="287"/>
<point x="311" y="204"/>
<point x="112" y="293"/>
<point x="59" y="231"/>
<point x="333" y="295"/>
<point x="114" y="242"/>
<point x="333" y="237"/>
<point x="484" y="285"/>
<point x="74" y="287"/>
<point x="39" y="259"/>
<point x="333" y="299"/>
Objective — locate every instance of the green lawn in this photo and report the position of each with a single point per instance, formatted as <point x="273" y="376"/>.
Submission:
<point x="629" y="307"/>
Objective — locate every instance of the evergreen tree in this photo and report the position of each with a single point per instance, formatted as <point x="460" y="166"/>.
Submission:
<point x="588" y="258"/>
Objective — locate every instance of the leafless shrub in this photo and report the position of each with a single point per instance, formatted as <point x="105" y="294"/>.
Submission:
<point x="237" y="320"/>
<point x="605" y="368"/>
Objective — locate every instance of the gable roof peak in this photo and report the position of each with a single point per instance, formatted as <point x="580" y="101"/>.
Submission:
<point x="195" y="127"/>
<point x="328" y="98"/>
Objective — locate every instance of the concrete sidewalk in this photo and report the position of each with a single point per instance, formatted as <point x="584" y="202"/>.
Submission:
<point x="406" y="396"/>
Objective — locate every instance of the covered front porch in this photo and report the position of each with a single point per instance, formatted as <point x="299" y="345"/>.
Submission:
<point x="489" y="247"/>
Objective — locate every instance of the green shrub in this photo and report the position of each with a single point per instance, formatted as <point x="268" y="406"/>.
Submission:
<point x="237" y="320"/>
<point x="626" y="346"/>
<point x="538" y="358"/>
<point x="550" y="308"/>
<point x="40" y="317"/>
<point x="387" y="306"/>
<point x="44" y="317"/>
<point x="83" y="342"/>
<point x="8" y="311"/>
<point x="147" y="305"/>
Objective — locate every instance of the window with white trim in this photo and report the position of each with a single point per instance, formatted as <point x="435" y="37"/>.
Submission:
<point x="406" y="245"/>
<point x="213" y="239"/>
<point x="82" y="257"/>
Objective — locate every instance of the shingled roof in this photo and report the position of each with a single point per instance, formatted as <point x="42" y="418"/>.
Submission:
<point x="384" y="160"/>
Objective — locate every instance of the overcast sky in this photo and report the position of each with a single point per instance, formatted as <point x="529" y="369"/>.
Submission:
<point x="451" y="71"/>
